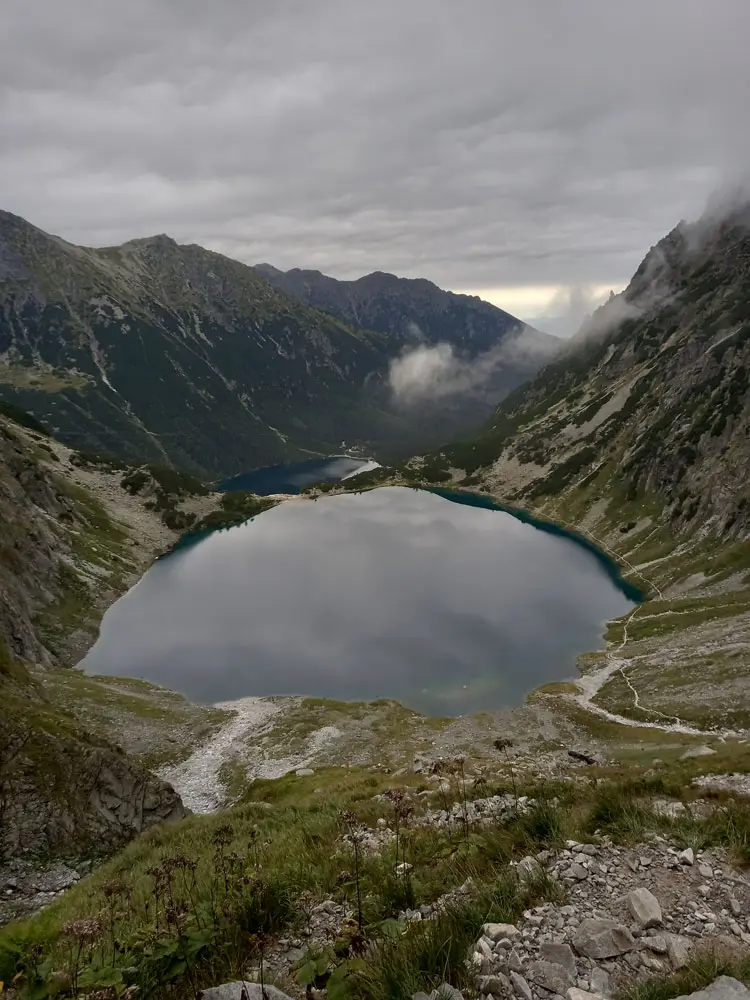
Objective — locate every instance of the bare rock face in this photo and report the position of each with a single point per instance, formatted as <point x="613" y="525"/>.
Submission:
<point x="63" y="795"/>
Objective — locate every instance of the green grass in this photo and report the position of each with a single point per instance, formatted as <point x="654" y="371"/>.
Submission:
<point x="286" y="841"/>
<point x="156" y="726"/>
<point x="23" y="377"/>
<point x="699" y="973"/>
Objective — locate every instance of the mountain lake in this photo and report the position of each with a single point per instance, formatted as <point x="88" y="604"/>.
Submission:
<point x="436" y="599"/>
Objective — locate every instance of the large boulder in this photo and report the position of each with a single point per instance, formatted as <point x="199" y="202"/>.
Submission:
<point x="550" y="976"/>
<point x="645" y="908"/>
<point x="723" y="988"/>
<point x="602" y="938"/>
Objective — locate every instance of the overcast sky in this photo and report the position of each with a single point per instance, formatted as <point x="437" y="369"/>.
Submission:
<point x="529" y="150"/>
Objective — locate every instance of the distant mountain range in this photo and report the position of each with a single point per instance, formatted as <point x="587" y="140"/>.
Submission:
<point x="174" y="353"/>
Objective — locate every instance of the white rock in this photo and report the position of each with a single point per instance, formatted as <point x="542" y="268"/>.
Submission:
<point x="687" y="857"/>
<point x="496" y="932"/>
<point x="723" y="988"/>
<point x="575" y="994"/>
<point x="645" y="908"/>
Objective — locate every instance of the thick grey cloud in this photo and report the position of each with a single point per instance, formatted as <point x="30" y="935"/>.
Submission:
<point x="482" y="144"/>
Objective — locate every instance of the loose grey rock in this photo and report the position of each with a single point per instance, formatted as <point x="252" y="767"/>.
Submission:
<point x="602" y="938"/>
<point x="700" y="751"/>
<point x="705" y="871"/>
<point x="575" y="994"/>
<point x="304" y="772"/>
<point x="678" y="950"/>
<point x="645" y="908"/>
<point x="550" y="976"/>
<point x="520" y="986"/>
<point x="497" y="985"/>
<point x="723" y="988"/>
<point x="657" y="943"/>
<point x="514" y="961"/>
<point x="599" y="981"/>
<point x="687" y="857"/>
<point x="496" y="932"/>
<point x="446" y="992"/>
<point x="577" y="871"/>
<point x="559" y="954"/>
<point x="233" y="991"/>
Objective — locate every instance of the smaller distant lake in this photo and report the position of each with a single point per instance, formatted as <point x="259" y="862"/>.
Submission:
<point x="293" y="477"/>
<point x="436" y="600"/>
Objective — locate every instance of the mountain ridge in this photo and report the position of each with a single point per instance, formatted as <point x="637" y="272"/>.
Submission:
<point x="172" y="353"/>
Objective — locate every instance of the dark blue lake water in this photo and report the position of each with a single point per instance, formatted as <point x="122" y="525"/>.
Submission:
<point x="292" y="477"/>
<point x="394" y="593"/>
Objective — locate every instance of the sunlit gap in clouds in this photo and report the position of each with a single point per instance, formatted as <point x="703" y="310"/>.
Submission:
<point x="556" y="309"/>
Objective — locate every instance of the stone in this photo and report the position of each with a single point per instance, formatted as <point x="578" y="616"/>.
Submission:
<point x="520" y="987"/>
<point x="446" y="992"/>
<point x="402" y="868"/>
<point x="652" y="963"/>
<point x="734" y="906"/>
<point x="514" y="961"/>
<point x="484" y="948"/>
<point x="678" y="950"/>
<point x="577" y="871"/>
<point x="700" y="751"/>
<point x="233" y="991"/>
<point x="496" y="932"/>
<point x="686" y="857"/>
<point x="657" y="943"/>
<point x="723" y="988"/>
<point x="496" y="985"/>
<point x="575" y="994"/>
<point x="599" y="981"/>
<point x="481" y="963"/>
<point x="705" y="871"/>
<point x="644" y="907"/>
<point x="304" y="772"/>
<point x="559" y="954"/>
<point x="550" y="976"/>
<point x="602" y="938"/>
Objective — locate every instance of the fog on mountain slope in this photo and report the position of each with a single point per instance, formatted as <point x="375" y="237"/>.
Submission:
<point x="175" y="354"/>
<point x="651" y="398"/>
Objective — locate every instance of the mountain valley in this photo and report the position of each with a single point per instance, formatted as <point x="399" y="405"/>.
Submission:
<point x="363" y="848"/>
<point x="177" y="355"/>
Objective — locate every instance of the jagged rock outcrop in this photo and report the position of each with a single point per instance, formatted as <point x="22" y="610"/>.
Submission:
<point x="61" y="794"/>
<point x="652" y="398"/>
<point x="32" y="545"/>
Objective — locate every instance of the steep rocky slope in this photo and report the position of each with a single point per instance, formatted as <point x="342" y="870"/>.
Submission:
<point x="653" y="395"/>
<point x="173" y="353"/>
<point x="154" y="351"/>
<point x="639" y="437"/>
<point x="413" y="311"/>
<point x="63" y="787"/>
<point x="495" y="351"/>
